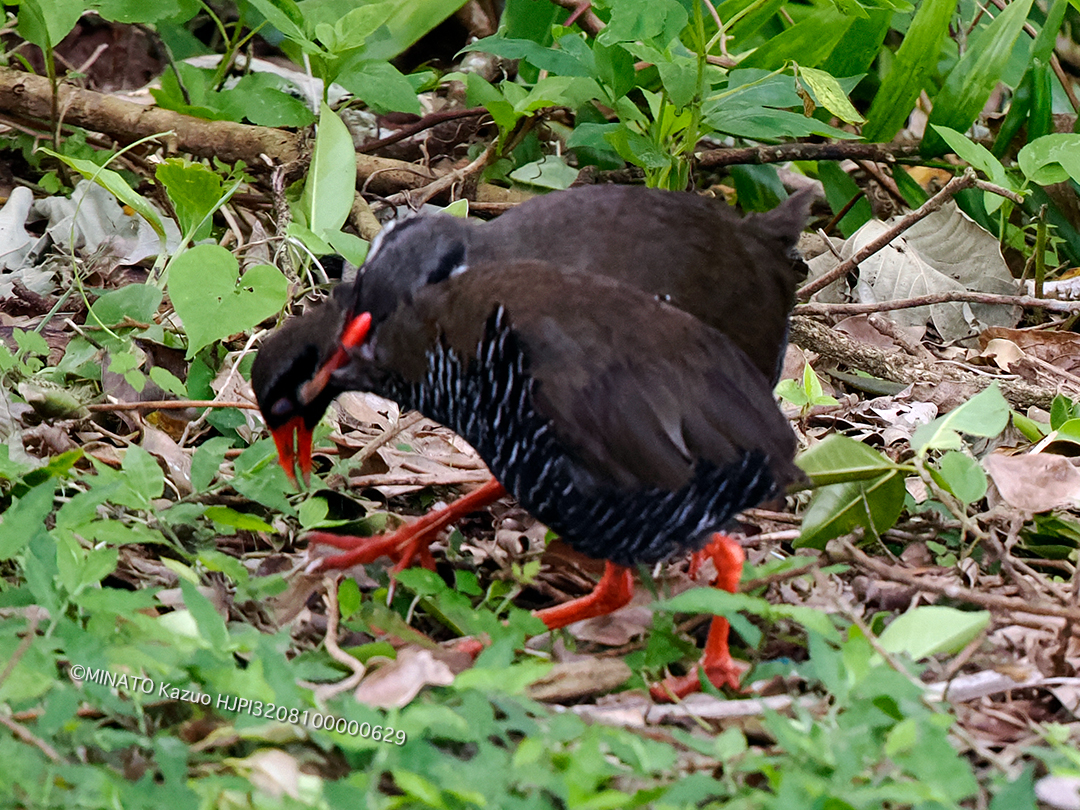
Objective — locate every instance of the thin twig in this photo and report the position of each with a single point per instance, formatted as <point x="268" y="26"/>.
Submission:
<point x="402" y="423"/>
<point x="965" y="180"/>
<point x="33" y="618"/>
<point x="441" y="480"/>
<point x="331" y="642"/>
<point x="994" y="602"/>
<point x="427" y="122"/>
<point x="30" y="738"/>
<point x="947" y="297"/>
<point x="170" y="405"/>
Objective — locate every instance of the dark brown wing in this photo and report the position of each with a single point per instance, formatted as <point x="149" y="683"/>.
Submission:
<point x="639" y="390"/>
<point x="736" y="274"/>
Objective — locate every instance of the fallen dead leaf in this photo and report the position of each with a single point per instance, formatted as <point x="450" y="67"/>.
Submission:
<point x="159" y="444"/>
<point x="573" y="680"/>
<point x="1036" y="482"/>
<point x="272" y="771"/>
<point x="394" y="685"/>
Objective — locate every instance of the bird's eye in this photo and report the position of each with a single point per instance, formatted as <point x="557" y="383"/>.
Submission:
<point x="281" y="408"/>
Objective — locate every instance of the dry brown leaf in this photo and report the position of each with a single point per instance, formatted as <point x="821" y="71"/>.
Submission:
<point x="395" y="684"/>
<point x="860" y="328"/>
<point x="158" y="443"/>
<point x="272" y="771"/>
<point x="1059" y="792"/>
<point x="1036" y="482"/>
<point x="573" y="680"/>
<point x="1061" y="349"/>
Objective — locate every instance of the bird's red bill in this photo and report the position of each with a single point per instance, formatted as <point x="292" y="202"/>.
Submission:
<point x="293" y="440"/>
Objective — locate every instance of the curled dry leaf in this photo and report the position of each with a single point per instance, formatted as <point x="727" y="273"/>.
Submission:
<point x="1036" y="482"/>
<point x="860" y="328"/>
<point x="1061" y="349"/>
<point x="395" y="684"/>
<point x="1059" y="792"/>
<point x="273" y="772"/>
<point x="177" y="463"/>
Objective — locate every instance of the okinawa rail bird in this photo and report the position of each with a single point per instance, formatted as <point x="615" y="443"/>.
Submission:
<point x="626" y="423"/>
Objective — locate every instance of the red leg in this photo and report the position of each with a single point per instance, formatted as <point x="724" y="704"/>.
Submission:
<point x="408" y="543"/>
<point x="613" y="591"/>
<point x="720" y="668"/>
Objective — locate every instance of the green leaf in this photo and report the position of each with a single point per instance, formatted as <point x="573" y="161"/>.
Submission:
<point x="139" y="11"/>
<point x="238" y="520"/>
<point x="1051" y="159"/>
<point x="25" y="519"/>
<point x="260" y="478"/>
<point x="982" y="159"/>
<point x="839" y="459"/>
<point x="167" y="381"/>
<point x="831" y="95"/>
<point x="1019" y="794"/>
<point x="837" y="509"/>
<point x="915" y="62"/>
<point x="729" y="605"/>
<point x="933" y="629"/>
<point x="985" y="414"/>
<point x="286" y="17"/>
<point x="556" y="61"/>
<point x="348" y="598"/>
<point x="1032" y="431"/>
<point x="211" y="625"/>
<point x="349" y="245"/>
<point x="970" y="82"/>
<point x="551" y="171"/>
<point x="46" y="22"/>
<point x="809" y="42"/>
<point x="656" y="21"/>
<point x="312" y="512"/>
<point x="354" y="28"/>
<point x="331" y="180"/>
<point x="136" y="301"/>
<point x="1062" y="409"/>
<point x="380" y="85"/>
<point x="962" y="476"/>
<point x="213" y="301"/>
<point x="207" y="460"/>
<point x="265" y="100"/>
<point x="142" y="475"/>
<point x="792" y="393"/>
<point x="194" y="191"/>
<point x="117" y="186"/>
<point x="762" y="123"/>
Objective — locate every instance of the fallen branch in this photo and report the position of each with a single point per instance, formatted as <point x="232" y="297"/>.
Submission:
<point x="880" y="152"/>
<point x="951" y="296"/>
<point x="27" y="95"/>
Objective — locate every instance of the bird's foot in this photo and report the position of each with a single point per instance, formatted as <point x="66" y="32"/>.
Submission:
<point x="720" y="674"/>
<point x="407" y="546"/>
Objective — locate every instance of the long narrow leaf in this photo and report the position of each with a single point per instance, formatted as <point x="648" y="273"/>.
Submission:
<point x="915" y="61"/>
<point x="974" y="77"/>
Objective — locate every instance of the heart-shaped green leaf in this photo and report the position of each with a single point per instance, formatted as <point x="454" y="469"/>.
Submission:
<point x="213" y="300"/>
